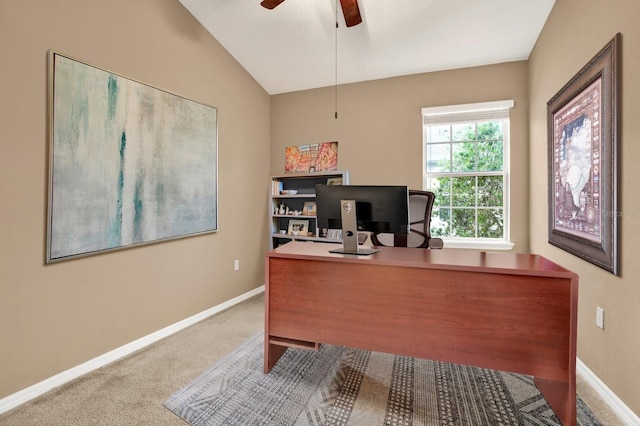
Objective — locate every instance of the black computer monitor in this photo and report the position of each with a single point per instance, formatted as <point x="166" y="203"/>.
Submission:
<point x="378" y="208"/>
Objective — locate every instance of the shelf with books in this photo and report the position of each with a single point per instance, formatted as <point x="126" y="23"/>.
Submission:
<point x="292" y="201"/>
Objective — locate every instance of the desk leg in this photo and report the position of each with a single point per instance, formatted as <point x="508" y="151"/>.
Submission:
<point x="561" y="397"/>
<point x="272" y="354"/>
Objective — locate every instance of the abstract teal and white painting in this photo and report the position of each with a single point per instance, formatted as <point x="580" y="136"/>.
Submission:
<point x="129" y="164"/>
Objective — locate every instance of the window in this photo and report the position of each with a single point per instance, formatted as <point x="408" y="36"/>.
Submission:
<point x="466" y="164"/>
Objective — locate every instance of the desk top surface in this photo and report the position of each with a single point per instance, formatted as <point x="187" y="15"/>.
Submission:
<point x="452" y="259"/>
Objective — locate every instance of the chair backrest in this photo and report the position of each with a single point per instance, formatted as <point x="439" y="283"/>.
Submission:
<point x="420" y="207"/>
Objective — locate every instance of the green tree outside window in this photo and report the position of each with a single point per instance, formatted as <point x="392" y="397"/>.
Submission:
<point x="465" y="162"/>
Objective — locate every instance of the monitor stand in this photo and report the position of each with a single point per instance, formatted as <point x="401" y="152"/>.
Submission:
<point x="350" y="231"/>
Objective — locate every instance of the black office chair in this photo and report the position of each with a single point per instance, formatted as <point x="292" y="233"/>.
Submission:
<point x="420" y="207"/>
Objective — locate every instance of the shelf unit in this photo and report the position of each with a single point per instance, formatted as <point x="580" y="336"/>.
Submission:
<point x="305" y="185"/>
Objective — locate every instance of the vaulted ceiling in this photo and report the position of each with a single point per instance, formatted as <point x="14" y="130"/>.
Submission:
<point x="296" y="45"/>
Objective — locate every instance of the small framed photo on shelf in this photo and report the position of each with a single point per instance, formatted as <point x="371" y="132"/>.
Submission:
<point x="298" y="227"/>
<point x="334" y="181"/>
<point x="309" y="208"/>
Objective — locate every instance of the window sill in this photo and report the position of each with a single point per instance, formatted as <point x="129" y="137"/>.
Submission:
<point x="477" y="244"/>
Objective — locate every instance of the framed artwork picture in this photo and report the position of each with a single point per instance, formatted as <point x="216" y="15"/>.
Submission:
<point x="298" y="227"/>
<point x="583" y="166"/>
<point x="129" y="164"/>
<point x="309" y="208"/>
<point x="317" y="157"/>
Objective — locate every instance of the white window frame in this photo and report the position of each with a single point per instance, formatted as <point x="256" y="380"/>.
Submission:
<point x="465" y="113"/>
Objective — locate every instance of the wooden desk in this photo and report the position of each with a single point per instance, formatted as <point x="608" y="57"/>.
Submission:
<point x="503" y="311"/>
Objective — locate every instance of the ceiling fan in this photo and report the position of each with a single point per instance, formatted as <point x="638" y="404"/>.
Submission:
<point x="349" y="9"/>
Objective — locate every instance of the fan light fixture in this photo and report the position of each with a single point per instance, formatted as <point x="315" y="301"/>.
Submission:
<point x="352" y="17"/>
<point x="350" y="10"/>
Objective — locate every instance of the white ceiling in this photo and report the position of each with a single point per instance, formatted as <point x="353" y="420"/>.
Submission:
<point x="293" y="47"/>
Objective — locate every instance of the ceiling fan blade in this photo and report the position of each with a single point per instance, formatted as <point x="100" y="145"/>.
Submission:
<point x="270" y="4"/>
<point x="351" y="12"/>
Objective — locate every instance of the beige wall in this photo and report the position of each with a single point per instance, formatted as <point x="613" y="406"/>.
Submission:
<point x="58" y="316"/>
<point x="379" y="126"/>
<point x="55" y="317"/>
<point x="575" y="31"/>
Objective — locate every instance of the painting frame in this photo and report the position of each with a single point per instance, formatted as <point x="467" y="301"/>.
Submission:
<point x="129" y="164"/>
<point x="309" y="208"/>
<point x="301" y="227"/>
<point x="582" y="133"/>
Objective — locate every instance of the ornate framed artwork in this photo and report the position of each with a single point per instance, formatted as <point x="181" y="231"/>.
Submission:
<point x="583" y="168"/>
<point x="129" y="164"/>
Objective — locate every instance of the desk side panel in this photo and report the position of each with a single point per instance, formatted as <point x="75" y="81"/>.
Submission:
<point x="506" y="322"/>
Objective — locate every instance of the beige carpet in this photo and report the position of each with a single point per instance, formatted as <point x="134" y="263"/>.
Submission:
<point x="132" y="390"/>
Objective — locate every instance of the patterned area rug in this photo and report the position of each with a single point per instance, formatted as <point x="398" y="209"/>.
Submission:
<point x="342" y="386"/>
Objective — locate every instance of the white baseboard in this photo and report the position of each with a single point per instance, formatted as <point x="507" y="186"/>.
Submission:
<point x="38" y="389"/>
<point x="619" y="407"/>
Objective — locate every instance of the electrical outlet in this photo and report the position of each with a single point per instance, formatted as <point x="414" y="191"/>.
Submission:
<point x="236" y="265"/>
<point x="600" y="317"/>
